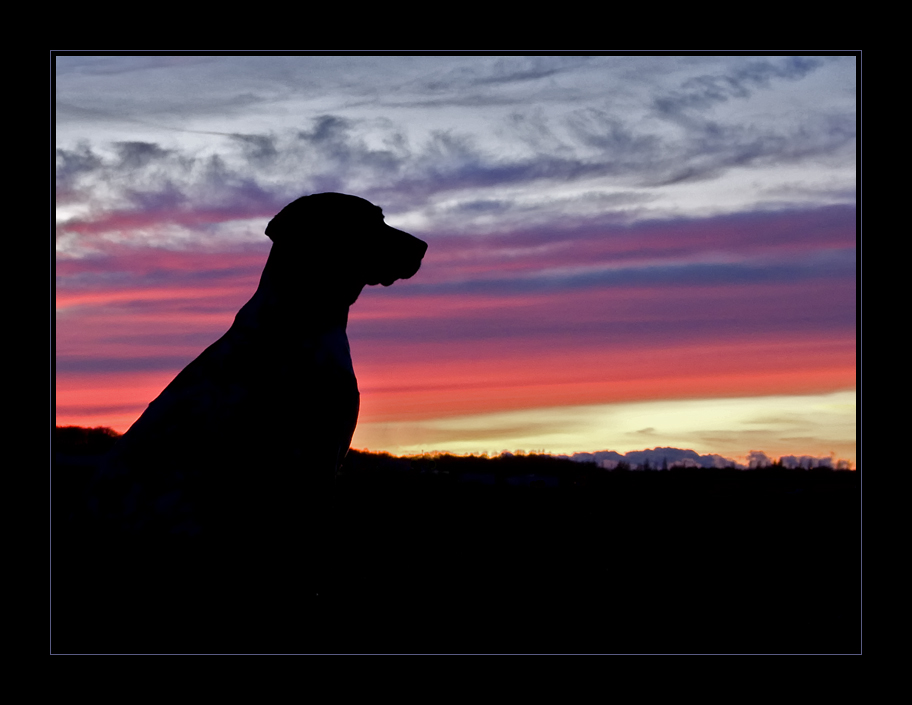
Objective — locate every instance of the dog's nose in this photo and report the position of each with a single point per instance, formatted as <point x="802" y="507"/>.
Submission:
<point x="416" y="248"/>
<point x="420" y="250"/>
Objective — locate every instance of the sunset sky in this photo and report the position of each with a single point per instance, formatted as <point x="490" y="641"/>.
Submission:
<point x="625" y="252"/>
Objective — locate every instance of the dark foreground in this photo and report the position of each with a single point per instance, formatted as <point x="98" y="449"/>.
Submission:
<point x="427" y="557"/>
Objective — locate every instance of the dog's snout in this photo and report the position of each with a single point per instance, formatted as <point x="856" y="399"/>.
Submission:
<point x="407" y="263"/>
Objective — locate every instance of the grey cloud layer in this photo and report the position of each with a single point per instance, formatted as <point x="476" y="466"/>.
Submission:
<point x="704" y="91"/>
<point x="375" y="149"/>
<point x="257" y="173"/>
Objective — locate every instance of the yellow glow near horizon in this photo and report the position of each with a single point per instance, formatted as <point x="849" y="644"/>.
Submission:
<point x="817" y="425"/>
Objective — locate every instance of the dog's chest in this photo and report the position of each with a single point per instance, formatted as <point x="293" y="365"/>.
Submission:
<point x="331" y="351"/>
<point x="312" y="374"/>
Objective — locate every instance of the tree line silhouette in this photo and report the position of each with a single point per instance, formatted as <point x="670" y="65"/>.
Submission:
<point x="78" y="441"/>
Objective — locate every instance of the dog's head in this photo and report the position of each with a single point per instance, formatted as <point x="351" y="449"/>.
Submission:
<point x="345" y="237"/>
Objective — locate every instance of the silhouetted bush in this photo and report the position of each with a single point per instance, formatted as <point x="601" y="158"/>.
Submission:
<point x="77" y="440"/>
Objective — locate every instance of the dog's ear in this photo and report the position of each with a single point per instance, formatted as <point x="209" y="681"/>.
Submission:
<point x="294" y="218"/>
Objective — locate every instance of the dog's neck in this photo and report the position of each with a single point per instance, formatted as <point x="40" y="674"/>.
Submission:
<point x="270" y="312"/>
<point x="303" y="332"/>
<point x="295" y="295"/>
<point x="302" y="310"/>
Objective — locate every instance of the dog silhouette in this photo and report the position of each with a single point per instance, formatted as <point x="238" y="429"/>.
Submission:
<point x="254" y="430"/>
